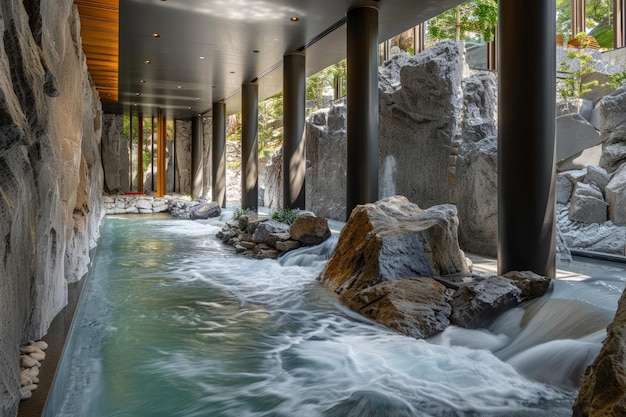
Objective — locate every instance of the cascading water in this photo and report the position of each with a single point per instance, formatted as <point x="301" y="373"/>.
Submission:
<point x="173" y="323"/>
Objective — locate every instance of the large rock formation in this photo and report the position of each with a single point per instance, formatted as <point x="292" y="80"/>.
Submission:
<point x="401" y="266"/>
<point x="420" y="105"/>
<point x="603" y="390"/>
<point x="51" y="177"/>
<point x="437" y="142"/>
<point x="183" y="156"/>
<point x="115" y="154"/>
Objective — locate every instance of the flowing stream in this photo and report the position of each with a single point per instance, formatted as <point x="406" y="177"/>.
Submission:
<point x="172" y="323"/>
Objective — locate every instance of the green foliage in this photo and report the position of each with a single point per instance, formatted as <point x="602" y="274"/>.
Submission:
<point x="285" y="215"/>
<point x="242" y="212"/>
<point x="617" y="80"/>
<point x="598" y="14"/>
<point x="573" y="87"/>
<point x="270" y="125"/>
<point x="316" y="84"/>
<point x="474" y="20"/>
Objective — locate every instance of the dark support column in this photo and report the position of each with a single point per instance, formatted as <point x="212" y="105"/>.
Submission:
<point x="197" y="150"/>
<point x="218" y="154"/>
<point x="249" y="146"/>
<point x="161" y="155"/>
<point x="527" y="132"/>
<point x="578" y="17"/>
<point x="362" y="107"/>
<point x="294" y="152"/>
<point x="140" y="154"/>
<point x="619" y="23"/>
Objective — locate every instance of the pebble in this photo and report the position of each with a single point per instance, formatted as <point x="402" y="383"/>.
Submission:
<point x="30" y="361"/>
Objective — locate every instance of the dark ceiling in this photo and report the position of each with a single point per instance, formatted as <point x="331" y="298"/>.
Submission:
<point x="206" y="49"/>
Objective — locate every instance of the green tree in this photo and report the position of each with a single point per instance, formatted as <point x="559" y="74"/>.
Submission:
<point x="474" y="20"/>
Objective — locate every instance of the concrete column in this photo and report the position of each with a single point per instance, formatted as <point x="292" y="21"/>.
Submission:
<point x="250" y="146"/>
<point x="294" y="147"/>
<point x="218" y="154"/>
<point x="362" y="107"/>
<point x="527" y="137"/>
<point x="197" y="151"/>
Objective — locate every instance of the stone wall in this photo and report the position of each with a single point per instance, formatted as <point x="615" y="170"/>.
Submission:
<point x="51" y="177"/>
<point x="183" y="156"/>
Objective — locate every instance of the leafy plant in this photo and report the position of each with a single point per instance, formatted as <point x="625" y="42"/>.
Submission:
<point x="474" y="20"/>
<point x="572" y="87"/>
<point x="617" y="80"/>
<point x="285" y="215"/>
<point x="242" y="212"/>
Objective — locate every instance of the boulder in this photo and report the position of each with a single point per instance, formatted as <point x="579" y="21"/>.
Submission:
<point x="183" y="157"/>
<point x="603" y="388"/>
<point x="393" y="239"/>
<point x="268" y="227"/>
<point x="273" y="192"/>
<point x="477" y="182"/>
<point x="424" y="90"/>
<point x="309" y="230"/>
<point x="478" y="301"/>
<point x="416" y="307"/>
<point x="115" y="154"/>
<point x="205" y="211"/>
<point x="587" y="204"/>
<point x="574" y="134"/>
<point x="480" y="110"/>
<point x="564" y="188"/>
<point x="616" y="197"/>
<point x="613" y="130"/>
<point x="598" y="176"/>
<point x="326" y="174"/>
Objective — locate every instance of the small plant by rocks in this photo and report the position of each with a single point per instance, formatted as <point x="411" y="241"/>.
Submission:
<point x="242" y="212"/>
<point x="285" y="215"/>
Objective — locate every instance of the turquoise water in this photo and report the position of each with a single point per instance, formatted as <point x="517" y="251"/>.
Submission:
<point x="173" y="323"/>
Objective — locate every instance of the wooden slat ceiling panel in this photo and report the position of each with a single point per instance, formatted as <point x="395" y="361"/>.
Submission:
<point x="99" y="21"/>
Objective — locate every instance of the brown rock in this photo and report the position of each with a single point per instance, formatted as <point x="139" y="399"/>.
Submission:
<point x="416" y="307"/>
<point x="287" y="245"/>
<point x="603" y="389"/>
<point x="382" y="247"/>
<point x="309" y="231"/>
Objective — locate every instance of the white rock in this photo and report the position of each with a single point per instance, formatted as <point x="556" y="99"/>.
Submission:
<point x="40" y="344"/>
<point x="28" y="362"/>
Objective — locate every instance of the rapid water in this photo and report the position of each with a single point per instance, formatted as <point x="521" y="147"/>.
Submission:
<point x="173" y="323"/>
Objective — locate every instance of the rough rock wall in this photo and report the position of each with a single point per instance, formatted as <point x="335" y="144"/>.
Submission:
<point x="183" y="156"/>
<point x="420" y="103"/>
<point x="50" y="173"/>
<point x="207" y="191"/>
<point x="115" y="154"/>
<point x="437" y="143"/>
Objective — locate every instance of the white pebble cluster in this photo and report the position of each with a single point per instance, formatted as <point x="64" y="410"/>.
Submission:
<point x="31" y="356"/>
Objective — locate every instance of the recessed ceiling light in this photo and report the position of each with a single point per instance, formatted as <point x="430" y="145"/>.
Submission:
<point x="189" y="108"/>
<point x="156" y="35"/>
<point x="142" y="81"/>
<point x="256" y="51"/>
<point x="201" y="57"/>
<point x="294" y="19"/>
<point x="179" y="86"/>
<point x="147" y="61"/>
<point x="137" y="93"/>
<point x="197" y="98"/>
